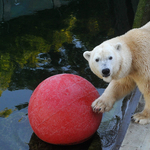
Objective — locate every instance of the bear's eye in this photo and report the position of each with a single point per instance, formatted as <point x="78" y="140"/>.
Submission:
<point x="110" y="58"/>
<point x="97" y="59"/>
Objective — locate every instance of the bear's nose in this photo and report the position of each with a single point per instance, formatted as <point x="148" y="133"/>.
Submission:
<point x="106" y="72"/>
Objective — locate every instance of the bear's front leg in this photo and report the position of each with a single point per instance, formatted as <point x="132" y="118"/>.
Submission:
<point x="103" y="103"/>
<point x="144" y="116"/>
<point x="115" y="91"/>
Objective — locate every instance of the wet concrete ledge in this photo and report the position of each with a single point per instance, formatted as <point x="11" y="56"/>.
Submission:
<point x="137" y="136"/>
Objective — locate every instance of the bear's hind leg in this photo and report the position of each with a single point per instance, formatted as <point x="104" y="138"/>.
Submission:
<point x="144" y="116"/>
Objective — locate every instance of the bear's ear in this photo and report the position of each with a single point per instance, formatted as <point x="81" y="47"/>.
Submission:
<point x="118" y="46"/>
<point x="87" y="55"/>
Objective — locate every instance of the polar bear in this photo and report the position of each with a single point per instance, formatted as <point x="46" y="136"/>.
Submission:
<point x="124" y="61"/>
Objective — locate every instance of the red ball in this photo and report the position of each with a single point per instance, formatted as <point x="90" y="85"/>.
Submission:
<point x="60" y="110"/>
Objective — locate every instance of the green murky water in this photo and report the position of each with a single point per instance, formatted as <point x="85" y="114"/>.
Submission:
<point x="39" y="39"/>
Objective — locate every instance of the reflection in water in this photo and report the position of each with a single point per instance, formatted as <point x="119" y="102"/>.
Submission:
<point x="22" y="106"/>
<point x="49" y="42"/>
<point x="17" y="2"/>
<point x="108" y="131"/>
<point x="37" y="144"/>
<point x="110" y="125"/>
<point x="10" y="9"/>
<point x="6" y="112"/>
<point x="15" y="131"/>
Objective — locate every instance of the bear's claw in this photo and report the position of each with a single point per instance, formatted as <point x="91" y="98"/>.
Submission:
<point x="96" y="109"/>
<point x="100" y="106"/>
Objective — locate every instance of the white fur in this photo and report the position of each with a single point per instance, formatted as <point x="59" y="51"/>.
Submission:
<point x="123" y="61"/>
<point x="119" y="66"/>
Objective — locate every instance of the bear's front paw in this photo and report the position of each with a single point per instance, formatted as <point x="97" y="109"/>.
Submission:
<point x="101" y="106"/>
<point x="142" y="117"/>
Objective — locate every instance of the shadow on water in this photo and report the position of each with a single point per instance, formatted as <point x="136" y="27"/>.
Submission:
<point x="36" y="144"/>
<point x="37" y="43"/>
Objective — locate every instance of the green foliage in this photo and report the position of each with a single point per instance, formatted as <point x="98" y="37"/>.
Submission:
<point x="139" y="14"/>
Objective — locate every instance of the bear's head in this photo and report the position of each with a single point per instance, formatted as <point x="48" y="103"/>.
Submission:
<point x="110" y="60"/>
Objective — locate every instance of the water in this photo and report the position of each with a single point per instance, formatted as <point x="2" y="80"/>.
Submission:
<point x="41" y="39"/>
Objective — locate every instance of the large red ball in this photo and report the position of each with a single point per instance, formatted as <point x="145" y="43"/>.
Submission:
<point x="60" y="110"/>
